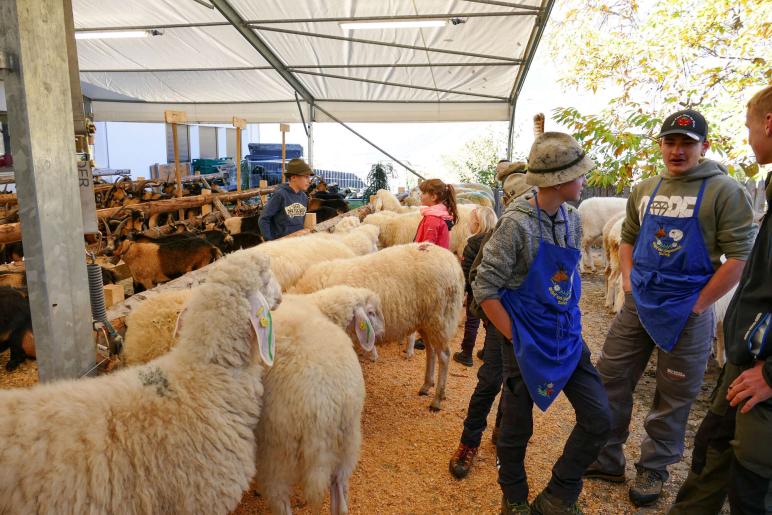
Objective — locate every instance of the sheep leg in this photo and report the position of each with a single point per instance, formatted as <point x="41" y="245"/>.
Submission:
<point x="429" y="372"/>
<point x="720" y="351"/>
<point x="409" y="351"/>
<point x="442" y="378"/>
<point x="374" y="355"/>
<point x="338" y="496"/>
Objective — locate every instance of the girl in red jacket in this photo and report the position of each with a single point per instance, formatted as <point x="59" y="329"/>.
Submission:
<point x="439" y="212"/>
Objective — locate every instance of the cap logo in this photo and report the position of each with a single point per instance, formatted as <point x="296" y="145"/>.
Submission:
<point x="685" y="121"/>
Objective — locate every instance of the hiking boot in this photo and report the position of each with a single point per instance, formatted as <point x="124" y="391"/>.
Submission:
<point x="595" y="472"/>
<point x="514" y="508"/>
<point x="495" y="434"/>
<point x="647" y="487"/>
<point x="463" y="358"/>
<point x="419" y="344"/>
<point x="547" y="504"/>
<point x="462" y="461"/>
<point x="480" y="354"/>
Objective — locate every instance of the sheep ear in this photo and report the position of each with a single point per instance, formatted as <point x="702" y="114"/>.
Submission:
<point x="178" y="324"/>
<point x="262" y="323"/>
<point x="364" y="330"/>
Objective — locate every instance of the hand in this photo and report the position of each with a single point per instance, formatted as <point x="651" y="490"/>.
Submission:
<point x="749" y="385"/>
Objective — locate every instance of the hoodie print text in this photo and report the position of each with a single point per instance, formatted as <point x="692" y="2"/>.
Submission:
<point x="675" y="206"/>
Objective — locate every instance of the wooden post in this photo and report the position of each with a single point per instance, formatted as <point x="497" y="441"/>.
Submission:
<point x="284" y="128"/>
<point x="309" y="221"/>
<point x="175" y="117"/>
<point x="263" y="198"/>
<point x="239" y="123"/>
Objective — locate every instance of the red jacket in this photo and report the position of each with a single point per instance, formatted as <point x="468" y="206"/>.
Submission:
<point x="433" y="229"/>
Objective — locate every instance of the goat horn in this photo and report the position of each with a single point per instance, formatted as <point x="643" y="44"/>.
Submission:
<point x="107" y="226"/>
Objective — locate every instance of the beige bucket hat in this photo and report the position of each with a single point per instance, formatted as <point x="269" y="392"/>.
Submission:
<point x="556" y="158"/>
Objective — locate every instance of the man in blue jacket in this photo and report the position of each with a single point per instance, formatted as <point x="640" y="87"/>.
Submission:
<point x="286" y="211"/>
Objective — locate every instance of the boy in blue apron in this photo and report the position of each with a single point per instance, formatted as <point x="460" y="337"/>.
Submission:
<point x="678" y="226"/>
<point x="528" y="285"/>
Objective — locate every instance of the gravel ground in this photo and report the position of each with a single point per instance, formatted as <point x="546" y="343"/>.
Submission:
<point x="403" y="467"/>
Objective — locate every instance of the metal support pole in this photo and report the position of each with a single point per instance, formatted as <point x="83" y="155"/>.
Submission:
<point x="42" y="135"/>
<point x="311" y="115"/>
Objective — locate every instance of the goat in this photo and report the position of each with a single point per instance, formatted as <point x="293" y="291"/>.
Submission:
<point x="15" y="327"/>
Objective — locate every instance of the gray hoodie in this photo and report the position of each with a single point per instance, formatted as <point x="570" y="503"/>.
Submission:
<point x="508" y="255"/>
<point x="726" y="215"/>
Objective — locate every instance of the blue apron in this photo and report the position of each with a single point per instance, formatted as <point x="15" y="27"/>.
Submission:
<point x="546" y="320"/>
<point x="671" y="265"/>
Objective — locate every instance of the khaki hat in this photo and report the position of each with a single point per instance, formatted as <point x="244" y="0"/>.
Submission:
<point x="504" y="172"/>
<point x="556" y="158"/>
<point x="515" y="186"/>
<point x="298" y="167"/>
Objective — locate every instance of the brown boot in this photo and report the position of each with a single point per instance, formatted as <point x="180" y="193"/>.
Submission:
<point x="462" y="461"/>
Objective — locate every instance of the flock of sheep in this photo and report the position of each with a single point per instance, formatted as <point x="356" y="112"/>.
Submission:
<point x="251" y="375"/>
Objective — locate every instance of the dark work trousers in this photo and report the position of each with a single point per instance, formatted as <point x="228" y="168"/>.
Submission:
<point x="679" y="377"/>
<point x="585" y="392"/>
<point x="706" y="486"/>
<point x="749" y="493"/>
<point x="488" y="387"/>
<point x="471" y="326"/>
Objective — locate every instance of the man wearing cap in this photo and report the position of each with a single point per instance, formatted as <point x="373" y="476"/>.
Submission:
<point x="528" y="284"/>
<point x="286" y="210"/>
<point x="677" y="228"/>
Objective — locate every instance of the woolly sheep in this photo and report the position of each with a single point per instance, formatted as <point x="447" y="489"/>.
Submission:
<point x="612" y="238"/>
<point x="421" y="288"/>
<point x="595" y="212"/>
<point x="309" y="430"/>
<point x="386" y="201"/>
<point x="174" y="436"/>
<point x="402" y="228"/>
<point x="346" y="224"/>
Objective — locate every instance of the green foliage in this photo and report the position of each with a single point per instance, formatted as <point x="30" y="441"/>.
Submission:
<point x="654" y="59"/>
<point x="477" y="160"/>
<point x="378" y="178"/>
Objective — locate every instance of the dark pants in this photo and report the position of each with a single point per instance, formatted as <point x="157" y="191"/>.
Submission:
<point x="488" y="387"/>
<point x="749" y="493"/>
<point x="471" y="326"/>
<point x="585" y="392"/>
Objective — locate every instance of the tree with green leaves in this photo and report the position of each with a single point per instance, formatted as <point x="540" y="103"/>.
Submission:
<point x="656" y="58"/>
<point x="476" y="161"/>
<point x="378" y="178"/>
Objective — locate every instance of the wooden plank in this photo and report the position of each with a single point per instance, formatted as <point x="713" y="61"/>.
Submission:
<point x="239" y="123"/>
<point x="175" y="116"/>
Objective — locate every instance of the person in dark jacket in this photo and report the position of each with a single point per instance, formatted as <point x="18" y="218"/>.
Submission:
<point x="483" y="220"/>
<point x="285" y="212"/>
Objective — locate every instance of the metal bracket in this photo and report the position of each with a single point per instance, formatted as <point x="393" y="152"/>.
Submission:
<point x="8" y="62"/>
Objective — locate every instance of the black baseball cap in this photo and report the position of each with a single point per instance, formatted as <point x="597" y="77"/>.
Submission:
<point x="687" y="122"/>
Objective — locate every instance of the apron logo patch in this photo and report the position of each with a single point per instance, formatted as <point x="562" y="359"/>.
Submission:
<point x="667" y="242"/>
<point x="296" y="209"/>
<point x="675" y="374"/>
<point x="546" y="390"/>
<point x="561" y="286"/>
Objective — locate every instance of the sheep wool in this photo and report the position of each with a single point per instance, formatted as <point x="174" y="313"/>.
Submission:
<point x="173" y="436"/>
<point x="595" y="212"/>
<point x="157" y="315"/>
<point x="426" y="296"/>
<point x="310" y="428"/>
<point x="346" y="224"/>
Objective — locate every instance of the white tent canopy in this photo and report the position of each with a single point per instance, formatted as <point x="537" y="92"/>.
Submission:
<point x="215" y="59"/>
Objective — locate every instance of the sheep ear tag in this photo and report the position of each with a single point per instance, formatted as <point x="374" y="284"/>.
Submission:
<point x="262" y="323"/>
<point x="364" y="331"/>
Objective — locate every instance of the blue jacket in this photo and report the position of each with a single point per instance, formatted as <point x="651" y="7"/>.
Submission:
<point x="284" y="213"/>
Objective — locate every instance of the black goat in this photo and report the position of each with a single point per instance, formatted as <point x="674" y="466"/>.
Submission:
<point x="15" y="326"/>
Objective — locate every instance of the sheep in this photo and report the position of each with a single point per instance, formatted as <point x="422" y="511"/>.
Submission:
<point x="595" y="212"/>
<point x="402" y="228"/>
<point x="386" y="201"/>
<point x="421" y="287"/>
<point x="309" y="429"/>
<point x="346" y="224"/>
<point x="174" y="436"/>
<point x="362" y="240"/>
<point x="720" y="307"/>
<point x="612" y="238"/>
<point x="152" y="327"/>
<point x="15" y="327"/>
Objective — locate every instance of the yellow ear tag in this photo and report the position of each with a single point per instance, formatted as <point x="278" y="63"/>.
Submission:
<point x="260" y="316"/>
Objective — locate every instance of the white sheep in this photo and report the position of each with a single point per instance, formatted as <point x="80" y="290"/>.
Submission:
<point x="346" y="224"/>
<point x="595" y="212"/>
<point x="421" y="288"/>
<point x="612" y="239"/>
<point x="386" y="201"/>
<point x="309" y="429"/>
<point x="402" y="228"/>
<point x="720" y="307"/>
<point x="174" y="436"/>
